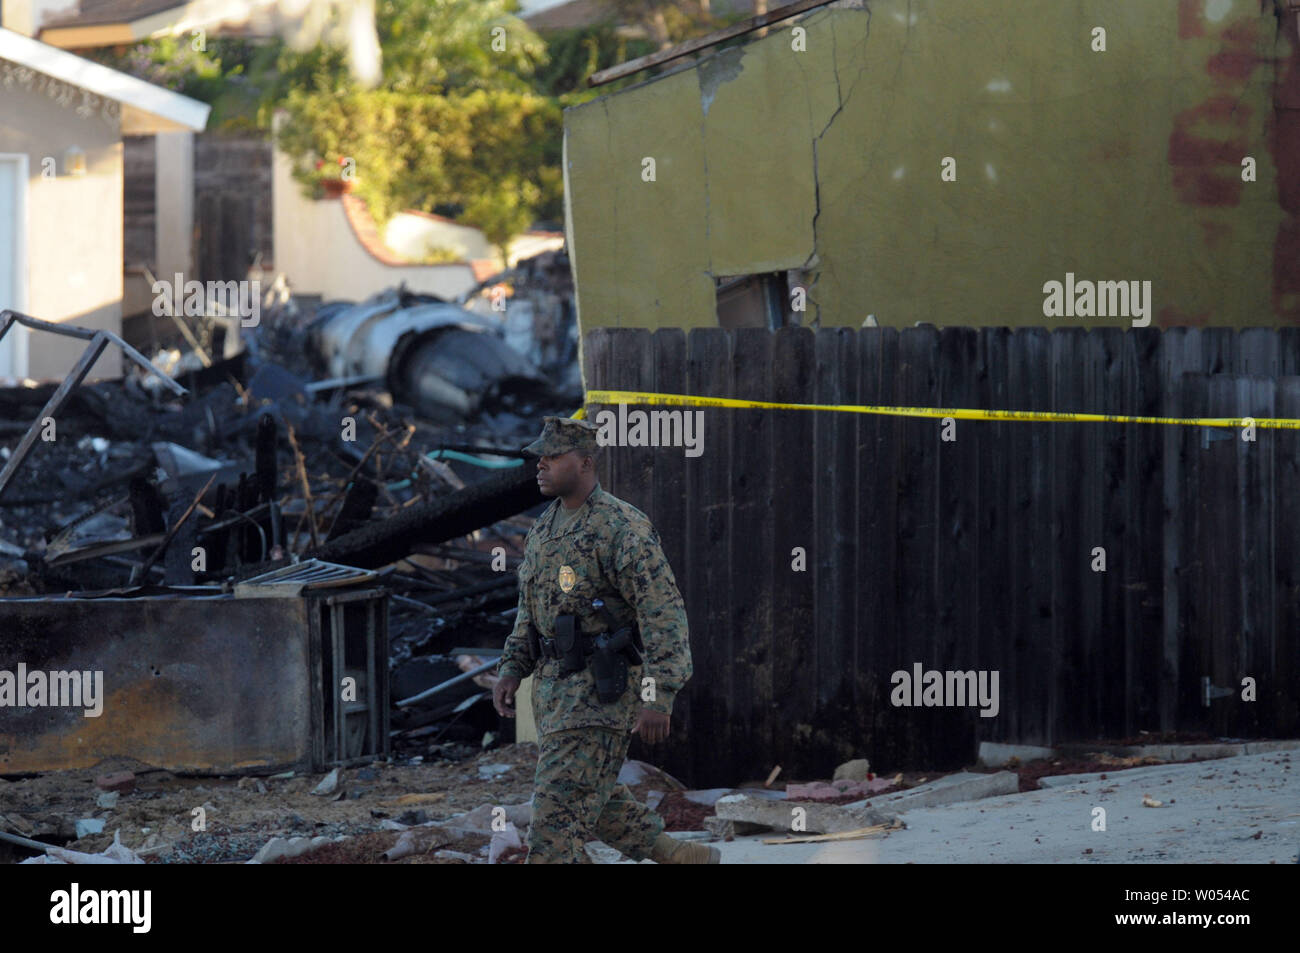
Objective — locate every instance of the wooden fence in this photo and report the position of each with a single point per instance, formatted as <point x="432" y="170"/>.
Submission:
<point x="975" y="554"/>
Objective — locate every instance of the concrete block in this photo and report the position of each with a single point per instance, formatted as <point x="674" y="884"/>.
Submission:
<point x="723" y="828"/>
<point x="1204" y="752"/>
<point x="818" y="818"/>
<point x="720" y="827"/>
<point x="963" y="786"/>
<point x="994" y="755"/>
<point x="1265" y="747"/>
<point x="1163" y="752"/>
<point x="1200" y="752"/>
<point x="121" y="781"/>
<point x="856" y="770"/>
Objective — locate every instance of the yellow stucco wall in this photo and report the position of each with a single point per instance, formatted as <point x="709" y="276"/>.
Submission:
<point x="1115" y="165"/>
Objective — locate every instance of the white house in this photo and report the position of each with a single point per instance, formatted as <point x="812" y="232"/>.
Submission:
<point x="62" y="119"/>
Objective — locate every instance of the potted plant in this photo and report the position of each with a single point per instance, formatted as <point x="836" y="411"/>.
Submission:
<point x="336" y="180"/>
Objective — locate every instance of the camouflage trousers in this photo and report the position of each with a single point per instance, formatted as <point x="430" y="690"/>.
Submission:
<point x="577" y="798"/>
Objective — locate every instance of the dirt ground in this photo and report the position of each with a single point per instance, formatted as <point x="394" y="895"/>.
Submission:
<point x="1031" y="771"/>
<point x="158" y="816"/>
<point x="158" y="819"/>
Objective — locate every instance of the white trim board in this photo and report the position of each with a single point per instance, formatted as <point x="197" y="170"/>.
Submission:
<point x="13" y="348"/>
<point x="153" y="101"/>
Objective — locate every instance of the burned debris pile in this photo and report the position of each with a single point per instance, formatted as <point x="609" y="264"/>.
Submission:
<point x="345" y="452"/>
<point x="274" y="471"/>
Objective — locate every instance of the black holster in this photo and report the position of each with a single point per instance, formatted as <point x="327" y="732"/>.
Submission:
<point x="568" y="639"/>
<point x="609" y="662"/>
<point x="534" y="643"/>
<point x="609" y="666"/>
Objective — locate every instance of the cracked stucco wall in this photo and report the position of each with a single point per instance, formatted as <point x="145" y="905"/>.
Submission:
<point x="1115" y="165"/>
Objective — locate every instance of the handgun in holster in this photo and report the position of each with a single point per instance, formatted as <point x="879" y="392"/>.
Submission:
<point x="612" y="652"/>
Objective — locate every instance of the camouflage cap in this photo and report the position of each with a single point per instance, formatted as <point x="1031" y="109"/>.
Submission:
<point x="562" y="434"/>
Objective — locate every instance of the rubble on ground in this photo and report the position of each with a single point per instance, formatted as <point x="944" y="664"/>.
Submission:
<point x="261" y="462"/>
<point x="158" y="821"/>
<point x="265" y="462"/>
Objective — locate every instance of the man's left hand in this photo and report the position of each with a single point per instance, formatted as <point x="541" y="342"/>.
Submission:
<point x="652" y="726"/>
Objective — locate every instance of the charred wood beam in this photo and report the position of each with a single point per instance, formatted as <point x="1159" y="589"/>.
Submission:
<point x="267" y="465"/>
<point x="499" y="496"/>
<point x="171" y="533"/>
<point x="146" y="507"/>
<point x="100" y="550"/>
<point x="252" y="544"/>
<point x="414" y="582"/>
<point x="464" y="555"/>
<point x="413" y="603"/>
<point x="357" y="507"/>
<point x="508" y="581"/>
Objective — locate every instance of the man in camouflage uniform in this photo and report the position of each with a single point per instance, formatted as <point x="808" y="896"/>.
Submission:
<point x="588" y="545"/>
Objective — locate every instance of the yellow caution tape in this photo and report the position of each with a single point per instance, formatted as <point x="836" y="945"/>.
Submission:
<point x="687" y="400"/>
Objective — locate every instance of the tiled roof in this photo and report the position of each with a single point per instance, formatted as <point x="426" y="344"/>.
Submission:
<point x="432" y="216"/>
<point x="571" y="15"/>
<point x="367" y="232"/>
<point x="100" y="12"/>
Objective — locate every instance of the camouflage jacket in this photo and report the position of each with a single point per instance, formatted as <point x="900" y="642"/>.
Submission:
<point x="615" y="556"/>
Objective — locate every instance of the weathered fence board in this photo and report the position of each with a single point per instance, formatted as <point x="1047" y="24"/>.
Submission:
<point x="970" y="554"/>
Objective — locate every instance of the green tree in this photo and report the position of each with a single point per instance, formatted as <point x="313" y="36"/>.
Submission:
<point x="443" y="45"/>
<point x="573" y="55"/>
<point x="485" y="151"/>
<point x="235" y="77"/>
<point x="454" y="122"/>
<point x="666" y="21"/>
<point x="466" y="117"/>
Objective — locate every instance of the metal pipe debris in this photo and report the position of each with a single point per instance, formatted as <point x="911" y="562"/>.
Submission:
<point x="448" y="683"/>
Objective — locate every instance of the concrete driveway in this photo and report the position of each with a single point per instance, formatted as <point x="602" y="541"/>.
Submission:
<point x="1244" y="809"/>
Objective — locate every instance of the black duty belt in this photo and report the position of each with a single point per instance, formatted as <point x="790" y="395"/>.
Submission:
<point x="607" y="653"/>
<point x="551" y="648"/>
<point x="570" y="646"/>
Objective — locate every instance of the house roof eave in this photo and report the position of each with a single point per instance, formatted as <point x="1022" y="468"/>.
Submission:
<point x="146" y="108"/>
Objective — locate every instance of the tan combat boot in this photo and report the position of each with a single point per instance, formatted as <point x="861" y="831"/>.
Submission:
<point x="670" y="850"/>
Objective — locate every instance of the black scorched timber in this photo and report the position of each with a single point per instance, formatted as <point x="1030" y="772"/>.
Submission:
<point x="498" y="497"/>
